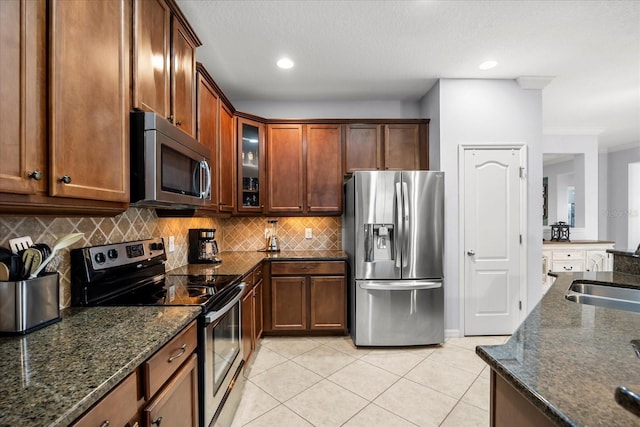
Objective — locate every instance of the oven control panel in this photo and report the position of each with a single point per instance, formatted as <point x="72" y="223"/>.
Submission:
<point x="120" y="254"/>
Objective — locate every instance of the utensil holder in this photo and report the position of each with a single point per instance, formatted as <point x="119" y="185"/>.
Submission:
<point x="30" y="304"/>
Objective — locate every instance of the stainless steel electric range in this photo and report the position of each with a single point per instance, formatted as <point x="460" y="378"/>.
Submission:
<point x="133" y="273"/>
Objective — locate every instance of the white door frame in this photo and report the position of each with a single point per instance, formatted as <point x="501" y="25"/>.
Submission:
<point x="522" y="148"/>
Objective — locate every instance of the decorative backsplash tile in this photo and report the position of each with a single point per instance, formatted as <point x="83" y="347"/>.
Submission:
<point x="233" y="234"/>
<point x="247" y="233"/>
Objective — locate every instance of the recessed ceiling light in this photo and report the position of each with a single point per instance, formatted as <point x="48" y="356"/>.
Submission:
<point x="285" y="63"/>
<point x="487" y="65"/>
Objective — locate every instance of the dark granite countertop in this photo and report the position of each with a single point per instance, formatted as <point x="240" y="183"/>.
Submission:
<point x="241" y="262"/>
<point x="52" y="376"/>
<point x="568" y="358"/>
<point x="629" y="252"/>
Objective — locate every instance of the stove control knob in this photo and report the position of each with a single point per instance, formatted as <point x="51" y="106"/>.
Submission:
<point x="100" y="258"/>
<point x="112" y="253"/>
<point x="156" y="246"/>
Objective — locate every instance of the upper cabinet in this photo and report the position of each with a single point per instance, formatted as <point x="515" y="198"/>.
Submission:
<point x="89" y="99"/>
<point x="304" y="168"/>
<point x="23" y="65"/>
<point x="251" y="163"/>
<point x="387" y="146"/>
<point x="164" y="63"/>
<point x="323" y="157"/>
<point x="207" y="126"/>
<point x="65" y="103"/>
<point x="227" y="161"/>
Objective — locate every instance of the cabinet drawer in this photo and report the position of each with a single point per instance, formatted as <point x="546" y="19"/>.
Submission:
<point x="568" y="255"/>
<point x="563" y="266"/>
<point x="257" y="274"/>
<point x="117" y="408"/>
<point x="249" y="279"/>
<point x="308" y="268"/>
<point x="168" y="359"/>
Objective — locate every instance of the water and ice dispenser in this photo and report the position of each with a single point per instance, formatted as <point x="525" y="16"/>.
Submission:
<point x="379" y="242"/>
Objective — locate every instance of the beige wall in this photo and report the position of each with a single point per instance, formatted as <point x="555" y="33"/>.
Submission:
<point x="233" y="234"/>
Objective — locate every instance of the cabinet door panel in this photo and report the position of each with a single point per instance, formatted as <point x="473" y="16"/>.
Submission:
<point x="124" y="397"/>
<point x="285" y="175"/>
<point x="402" y="147"/>
<point x="90" y="100"/>
<point x="257" y="329"/>
<point x="23" y="101"/>
<point x="251" y="163"/>
<point x="151" y="53"/>
<point x="247" y="326"/>
<point x="177" y="402"/>
<point x="363" y="147"/>
<point x="207" y="131"/>
<point x="324" y="168"/>
<point x="289" y="303"/>
<point x="182" y="75"/>
<point x="328" y="302"/>
<point x="227" y="191"/>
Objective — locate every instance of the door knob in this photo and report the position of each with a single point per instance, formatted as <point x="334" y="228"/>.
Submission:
<point x="471" y="252"/>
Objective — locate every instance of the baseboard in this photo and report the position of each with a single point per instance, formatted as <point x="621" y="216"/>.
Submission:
<point x="452" y="333"/>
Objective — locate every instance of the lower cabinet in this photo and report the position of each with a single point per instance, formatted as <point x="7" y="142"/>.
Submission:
<point x="177" y="403"/>
<point x="308" y="296"/>
<point x="161" y="391"/>
<point x="252" y="313"/>
<point x="577" y="256"/>
<point x="509" y="408"/>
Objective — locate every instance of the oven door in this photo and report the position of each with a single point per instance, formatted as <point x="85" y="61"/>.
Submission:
<point x="223" y="352"/>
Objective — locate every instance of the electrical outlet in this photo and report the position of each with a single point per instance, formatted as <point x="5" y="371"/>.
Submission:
<point x="308" y="233"/>
<point x="172" y="243"/>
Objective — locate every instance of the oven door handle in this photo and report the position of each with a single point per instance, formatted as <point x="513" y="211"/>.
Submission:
<point x="212" y="316"/>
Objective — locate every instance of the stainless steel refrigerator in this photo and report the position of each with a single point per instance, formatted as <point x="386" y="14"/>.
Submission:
<point x="393" y="234"/>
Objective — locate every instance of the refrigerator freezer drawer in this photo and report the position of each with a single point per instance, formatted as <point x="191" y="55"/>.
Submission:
<point x="398" y="313"/>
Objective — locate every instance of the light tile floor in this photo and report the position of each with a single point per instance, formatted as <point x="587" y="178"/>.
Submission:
<point x="327" y="381"/>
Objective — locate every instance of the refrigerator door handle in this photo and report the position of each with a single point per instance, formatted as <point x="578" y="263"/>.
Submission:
<point x="399" y="232"/>
<point x="405" y="227"/>
<point x="406" y="285"/>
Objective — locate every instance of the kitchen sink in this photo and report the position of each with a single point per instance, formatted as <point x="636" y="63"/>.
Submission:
<point x="604" y="295"/>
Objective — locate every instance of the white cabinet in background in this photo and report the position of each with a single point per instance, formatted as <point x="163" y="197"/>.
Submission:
<point x="577" y="256"/>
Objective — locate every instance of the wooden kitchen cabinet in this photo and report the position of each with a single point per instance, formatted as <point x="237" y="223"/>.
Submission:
<point x="227" y="161"/>
<point x="55" y="129"/>
<point x="90" y="102"/>
<point x="252" y="313"/>
<point x="207" y="127"/>
<point x="323" y="168"/>
<point x="251" y="166"/>
<point x="177" y="403"/>
<point x="23" y="64"/>
<point x="386" y="146"/>
<point x="124" y="397"/>
<point x="304" y="168"/>
<point x="308" y="296"/>
<point x="164" y="62"/>
<point x="285" y="174"/>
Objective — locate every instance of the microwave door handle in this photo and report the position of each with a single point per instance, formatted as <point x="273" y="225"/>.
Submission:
<point x="206" y="171"/>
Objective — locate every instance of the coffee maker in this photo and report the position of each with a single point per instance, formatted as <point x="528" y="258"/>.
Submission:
<point x="203" y="248"/>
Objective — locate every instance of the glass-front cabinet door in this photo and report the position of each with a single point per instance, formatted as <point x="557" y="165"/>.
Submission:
<point x="251" y="162"/>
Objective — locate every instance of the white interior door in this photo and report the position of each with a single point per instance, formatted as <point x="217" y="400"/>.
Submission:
<point x="492" y="228"/>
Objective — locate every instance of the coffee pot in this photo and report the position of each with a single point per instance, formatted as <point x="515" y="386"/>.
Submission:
<point x="203" y="247"/>
<point x="273" y="245"/>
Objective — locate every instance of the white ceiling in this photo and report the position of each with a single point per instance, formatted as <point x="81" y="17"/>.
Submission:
<point x="396" y="50"/>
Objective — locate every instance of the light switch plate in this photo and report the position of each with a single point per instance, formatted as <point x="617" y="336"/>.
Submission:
<point x="308" y="233"/>
<point x="172" y="243"/>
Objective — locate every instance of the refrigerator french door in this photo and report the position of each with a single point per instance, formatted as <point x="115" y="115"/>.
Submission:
<point x="393" y="233"/>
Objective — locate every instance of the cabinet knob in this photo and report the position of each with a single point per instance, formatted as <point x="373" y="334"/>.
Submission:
<point x="105" y="423"/>
<point x="300" y="207"/>
<point x="179" y="122"/>
<point x="66" y="179"/>
<point x="170" y="118"/>
<point x="36" y="174"/>
<point x="157" y="421"/>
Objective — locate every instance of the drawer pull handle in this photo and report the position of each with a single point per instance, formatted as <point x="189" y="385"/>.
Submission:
<point x="565" y="267"/>
<point x="105" y="423"/>
<point x="66" y="179"/>
<point x="183" y="349"/>
<point x="157" y="421"/>
<point x="37" y="175"/>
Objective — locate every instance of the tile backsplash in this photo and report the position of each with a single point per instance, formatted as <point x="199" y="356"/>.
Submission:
<point x="233" y="234"/>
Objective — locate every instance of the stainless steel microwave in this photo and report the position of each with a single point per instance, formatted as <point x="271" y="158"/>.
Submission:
<point x="169" y="169"/>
